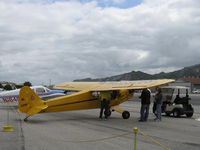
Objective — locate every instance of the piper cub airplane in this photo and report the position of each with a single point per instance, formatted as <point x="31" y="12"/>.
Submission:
<point x="86" y="97"/>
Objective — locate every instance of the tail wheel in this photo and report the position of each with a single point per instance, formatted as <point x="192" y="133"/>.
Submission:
<point x="125" y="115"/>
<point x="176" y="113"/>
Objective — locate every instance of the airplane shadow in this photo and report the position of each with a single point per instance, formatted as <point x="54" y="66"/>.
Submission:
<point x="64" y="117"/>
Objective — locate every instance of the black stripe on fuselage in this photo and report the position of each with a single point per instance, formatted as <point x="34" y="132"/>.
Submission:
<point x="74" y="103"/>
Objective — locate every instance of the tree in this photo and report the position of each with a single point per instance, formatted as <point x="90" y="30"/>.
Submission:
<point x="1" y="86"/>
<point x="27" y="83"/>
<point x="7" y="87"/>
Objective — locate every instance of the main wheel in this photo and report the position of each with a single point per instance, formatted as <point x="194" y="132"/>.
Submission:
<point x="108" y="113"/>
<point x="176" y="113"/>
<point x="125" y="115"/>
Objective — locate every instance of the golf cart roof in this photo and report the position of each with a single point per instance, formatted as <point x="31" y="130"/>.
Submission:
<point x="174" y="87"/>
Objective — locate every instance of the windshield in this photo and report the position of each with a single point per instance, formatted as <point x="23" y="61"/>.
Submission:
<point x="167" y="94"/>
<point x="40" y="90"/>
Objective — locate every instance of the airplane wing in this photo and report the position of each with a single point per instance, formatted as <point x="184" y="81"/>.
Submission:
<point x="109" y="86"/>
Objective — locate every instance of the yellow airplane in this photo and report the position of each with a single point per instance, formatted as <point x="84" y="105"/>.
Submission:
<point x="86" y="97"/>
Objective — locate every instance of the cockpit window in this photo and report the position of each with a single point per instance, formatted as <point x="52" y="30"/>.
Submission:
<point x="48" y="90"/>
<point x="40" y="90"/>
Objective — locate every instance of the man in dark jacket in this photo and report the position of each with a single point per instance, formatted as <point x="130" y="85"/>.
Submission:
<point x="145" y="102"/>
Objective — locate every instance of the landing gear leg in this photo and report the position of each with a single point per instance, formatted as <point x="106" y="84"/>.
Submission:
<point x="125" y="114"/>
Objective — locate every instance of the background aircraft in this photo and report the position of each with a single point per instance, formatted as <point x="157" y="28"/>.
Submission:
<point x="43" y="92"/>
<point x="86" y="97"/>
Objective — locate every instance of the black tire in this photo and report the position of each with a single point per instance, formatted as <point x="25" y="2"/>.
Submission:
<point x="108" y="113"/>
<point x="176" y="113"/>
<point x="167" y="113"/>
<point x="125" y="115"/>
<point x="189" y="115"/>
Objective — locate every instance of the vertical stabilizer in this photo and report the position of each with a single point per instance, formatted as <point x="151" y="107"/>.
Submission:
<point x="29" y="102"/>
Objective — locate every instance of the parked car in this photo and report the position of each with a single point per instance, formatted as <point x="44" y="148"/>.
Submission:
<point x="176" y="105"/>
<point x="196" y="91"/>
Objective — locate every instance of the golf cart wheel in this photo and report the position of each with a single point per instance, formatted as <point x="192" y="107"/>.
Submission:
<point x="189" y="115"/>
<point x="167" y="113"/>
<point x="125" y="115"/>
<point x="176" y="113"/>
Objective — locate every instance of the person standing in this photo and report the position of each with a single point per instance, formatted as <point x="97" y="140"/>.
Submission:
<point x="145" y="102"/>
<point x="154" y="102"/>
<point x="158" y="99"/>
<point x="154" y="107"/>
<point x="105" y="101"/>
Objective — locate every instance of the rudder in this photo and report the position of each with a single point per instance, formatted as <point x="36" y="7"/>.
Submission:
<point x="29" y="102"/>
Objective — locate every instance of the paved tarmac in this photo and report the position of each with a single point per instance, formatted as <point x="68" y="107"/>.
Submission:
<point x="54" y="131"/>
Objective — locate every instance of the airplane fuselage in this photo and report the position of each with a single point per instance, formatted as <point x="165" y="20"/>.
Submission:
<point x="83" y="100"/>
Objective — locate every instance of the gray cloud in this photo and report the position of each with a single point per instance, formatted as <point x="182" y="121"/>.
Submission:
<point x="63" y="41"/>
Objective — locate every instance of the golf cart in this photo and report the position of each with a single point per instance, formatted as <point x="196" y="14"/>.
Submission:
<point x="176" y="105"/>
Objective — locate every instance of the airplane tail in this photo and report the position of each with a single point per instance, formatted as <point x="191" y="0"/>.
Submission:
<point x="29" y="102"/>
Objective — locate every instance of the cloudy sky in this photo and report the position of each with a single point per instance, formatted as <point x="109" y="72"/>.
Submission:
<point x="64" y="40"/>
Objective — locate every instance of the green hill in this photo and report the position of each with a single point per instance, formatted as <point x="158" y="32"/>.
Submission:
<point x="192" y="71"/>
